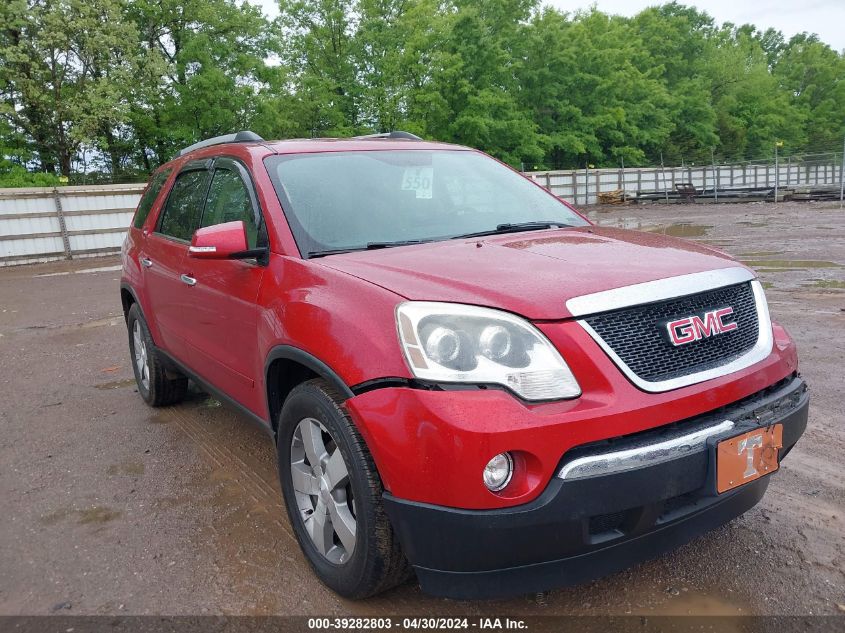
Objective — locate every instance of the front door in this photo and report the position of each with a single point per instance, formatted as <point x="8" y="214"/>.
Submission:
<point x="223" y="338"/>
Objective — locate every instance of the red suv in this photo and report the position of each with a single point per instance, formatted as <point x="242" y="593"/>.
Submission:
<point x="463" y="376"/>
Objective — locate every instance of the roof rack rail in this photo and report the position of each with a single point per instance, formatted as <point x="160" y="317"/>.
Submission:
<point x="240" y="137"/>
<point x="396" y="134"/>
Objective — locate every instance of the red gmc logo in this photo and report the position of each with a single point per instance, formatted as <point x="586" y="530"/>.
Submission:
<point x="695" y="328"/>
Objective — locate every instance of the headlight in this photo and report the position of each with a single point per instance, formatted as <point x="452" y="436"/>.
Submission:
<point x="451" y="342"/>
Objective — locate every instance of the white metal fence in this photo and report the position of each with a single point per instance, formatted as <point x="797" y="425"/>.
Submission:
<point x="582" y="186"/>
<point x="42" y="223"/>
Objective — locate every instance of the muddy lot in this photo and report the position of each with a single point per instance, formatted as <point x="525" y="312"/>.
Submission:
<point x="110" y="507"/>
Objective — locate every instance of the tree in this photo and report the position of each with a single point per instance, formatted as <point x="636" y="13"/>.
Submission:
<point x="474" y="85"/>
<point x="318" y="46"/>
<point x="593" y="91"/>
<point x="752" y="113"/>
<point x="396" y="40"/>
<point x="67" y="71"/>
<point x="812" y="74"/>
<point x="205" y="65"/>
<point x="122" y="85"/>
<point x="679" y="42"/>
<point x="15" y="155"/>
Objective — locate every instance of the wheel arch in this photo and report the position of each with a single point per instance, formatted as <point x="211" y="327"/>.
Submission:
<point x="288" y="366"/>
<point x="127" y="299"/>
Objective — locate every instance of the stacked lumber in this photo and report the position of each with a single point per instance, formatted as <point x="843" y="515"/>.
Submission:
<point x="812" y="192"/>
<point x="804" y="193"/>
<point x="617" y="196"/>
<point x="727" y="194"/>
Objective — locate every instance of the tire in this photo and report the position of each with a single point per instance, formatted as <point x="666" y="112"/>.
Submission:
<point x="158" y="386"/>
<point x="376" y="562"/>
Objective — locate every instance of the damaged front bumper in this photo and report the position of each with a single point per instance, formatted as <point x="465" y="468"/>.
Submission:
<point x="602" y="520"/>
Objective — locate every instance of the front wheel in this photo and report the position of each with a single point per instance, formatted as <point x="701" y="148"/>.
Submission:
<point x="332" y="493"/>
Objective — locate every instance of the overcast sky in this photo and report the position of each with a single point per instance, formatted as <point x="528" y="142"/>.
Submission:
<point x="825" y="17"/>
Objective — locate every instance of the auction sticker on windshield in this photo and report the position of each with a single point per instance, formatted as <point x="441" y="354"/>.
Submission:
<point x="419" y="180"/>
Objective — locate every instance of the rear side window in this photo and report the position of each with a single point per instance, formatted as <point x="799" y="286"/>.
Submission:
<point x="181" y="216"/>
<point x="228" y="200"/>
<point x="149" y="197"/>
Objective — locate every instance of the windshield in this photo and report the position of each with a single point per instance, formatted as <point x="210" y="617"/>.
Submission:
<point x="360" y="199"/>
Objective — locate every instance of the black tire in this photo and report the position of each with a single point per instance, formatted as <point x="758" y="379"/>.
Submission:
<point x="162" y="386"/>
<point x="377" y="562"/>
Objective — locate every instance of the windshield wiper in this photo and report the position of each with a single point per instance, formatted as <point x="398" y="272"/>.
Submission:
<point x="371" y="246"/>
<point x="501" y="228"/>
<point x="375" y="245"/>
<point x="332" y="251"/>
<point x="516" y="227"/>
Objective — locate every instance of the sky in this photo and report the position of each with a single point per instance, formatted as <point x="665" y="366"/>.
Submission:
<point x="824" y="17"/>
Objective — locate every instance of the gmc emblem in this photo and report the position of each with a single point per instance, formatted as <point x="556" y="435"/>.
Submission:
<point x="695" y="328"/>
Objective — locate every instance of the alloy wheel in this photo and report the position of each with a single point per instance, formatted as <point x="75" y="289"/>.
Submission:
<point x="140" y="348"/>
<point x="323" y="492"/>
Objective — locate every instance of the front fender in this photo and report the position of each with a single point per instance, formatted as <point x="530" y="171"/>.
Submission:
<point x="347" y="325"/>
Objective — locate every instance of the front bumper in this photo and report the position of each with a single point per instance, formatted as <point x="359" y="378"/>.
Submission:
<point x="578" y="530"/>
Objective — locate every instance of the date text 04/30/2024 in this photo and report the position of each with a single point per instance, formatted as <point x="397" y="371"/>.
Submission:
<point x="424" y="623"/>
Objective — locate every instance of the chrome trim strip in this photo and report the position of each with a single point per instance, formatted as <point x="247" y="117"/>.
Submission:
<point x="761" y="349"/>
<point x="649" y="455"/>
<point x="659" y="290"/>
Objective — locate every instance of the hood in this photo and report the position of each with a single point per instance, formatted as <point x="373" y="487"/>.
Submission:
<point x="531" y="273"/>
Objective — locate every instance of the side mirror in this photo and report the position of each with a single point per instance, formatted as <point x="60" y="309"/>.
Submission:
<point x="220" y="241"/>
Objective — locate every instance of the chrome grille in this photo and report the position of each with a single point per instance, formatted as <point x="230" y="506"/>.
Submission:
<point x="637" y="335"/>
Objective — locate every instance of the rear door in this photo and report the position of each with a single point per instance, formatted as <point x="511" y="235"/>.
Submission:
<point x="224" y="315"/>
<point x="134" y="271"/>
<point x="164" y="253"/>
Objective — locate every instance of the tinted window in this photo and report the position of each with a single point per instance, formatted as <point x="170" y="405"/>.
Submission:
<point x="181" y="215"/>
<point x="345" y="200"/>
<point x="149" y="197"/>
<point x="228" y="200"/>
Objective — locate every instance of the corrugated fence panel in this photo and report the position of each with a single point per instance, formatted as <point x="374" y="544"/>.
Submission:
<point x="30" y="247"/>
<point x="87" y="243"/>
<point x="28" y="226"/>
<point x="97" y="202"/>
<point x="11" y="204"/>
<point x="95" y="221"/>
<point x="118" y="220"/>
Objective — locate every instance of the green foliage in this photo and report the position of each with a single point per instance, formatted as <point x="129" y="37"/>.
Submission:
<point x="119" y="86"/>
<point x="203" y="72"/>
<point x="678" y="41"/>
<point x="593" y="91"/>
<point x="752" y="114"/>
<point x="67" y="68"/>
<point x="14" y="155"/>
<point x="17" y="176"/>
<point x="812" y="74"/>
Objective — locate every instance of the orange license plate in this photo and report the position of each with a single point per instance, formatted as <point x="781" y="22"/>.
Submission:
<point x="747" y="457"/>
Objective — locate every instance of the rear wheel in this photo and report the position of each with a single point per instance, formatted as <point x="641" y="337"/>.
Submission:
<point x="157" y="385"/>
<point x="333" y="495"/>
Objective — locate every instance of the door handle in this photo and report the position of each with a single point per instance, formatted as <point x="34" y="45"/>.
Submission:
<point x="188" y="280"/>
<point x="146" y="263"/>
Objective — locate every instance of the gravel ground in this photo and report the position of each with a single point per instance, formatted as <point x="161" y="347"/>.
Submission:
<point x="110" y="507"/>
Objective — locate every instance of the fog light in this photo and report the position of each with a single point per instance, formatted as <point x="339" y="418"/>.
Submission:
<point x="498" y="472"/>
